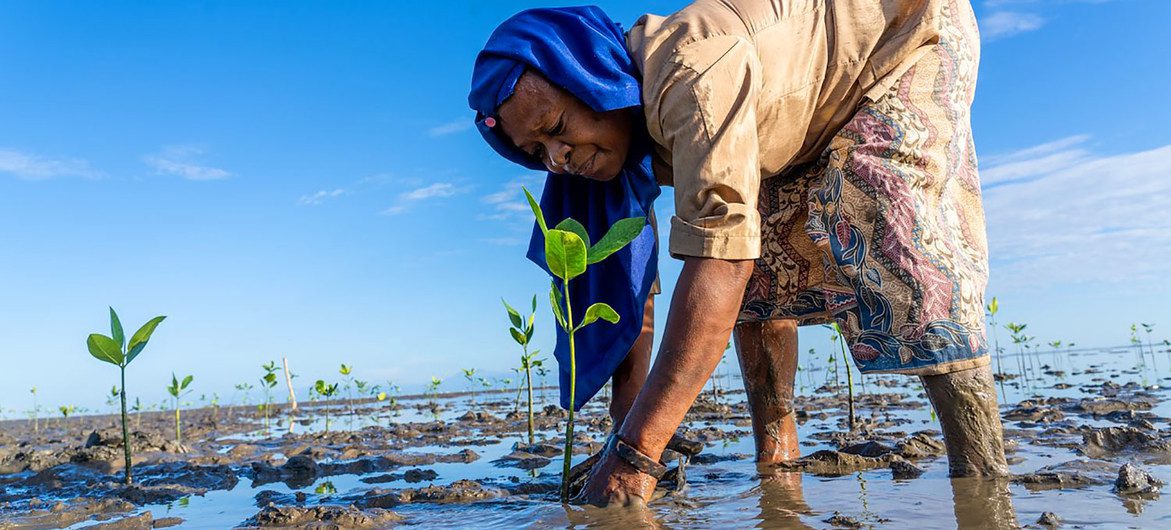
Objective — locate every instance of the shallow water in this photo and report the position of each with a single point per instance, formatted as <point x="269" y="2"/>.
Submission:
<point x="735" y="493"/>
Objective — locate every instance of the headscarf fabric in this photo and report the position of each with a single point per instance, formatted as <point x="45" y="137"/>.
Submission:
<point x="584" y="52"/>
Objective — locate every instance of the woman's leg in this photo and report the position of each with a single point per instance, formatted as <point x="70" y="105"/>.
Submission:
<point x="965" y="402"/>
<point x="768" y="360"/>
<point x="628" y="379"/>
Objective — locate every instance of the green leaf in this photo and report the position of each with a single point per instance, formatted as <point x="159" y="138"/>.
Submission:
<point x="536" y="211"/>
<point x="534" y="308"/>
<point x="599" y="311"/>
<point x="141" y="337"/>
<point x="619" y="235"/>
<point x="186" y="381"/>
<point x="993" y="306"/>
<point x="555" y="301"/>
<point x="518" y="336"/>
<point x="571" y="225"/>
<point x="116" y="329"/>
<point x="104" y="349"/>
<point x="565" y="253"/>
<point x="528" y="334"/>
<point x="512" y="315"/>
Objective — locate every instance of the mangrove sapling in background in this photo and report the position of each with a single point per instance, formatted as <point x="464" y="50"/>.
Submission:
<point x="992" y="308"/>
<point x="267" y="383"/>
<point x="36" y="408"/>
<point x="177" y="389"/>
<point x="433" y="391"/>
<point x="326" y="392"/>
<point x="116" y="351"/>
<point x="522" y="332"/>
<point x="346" y="371"/>
<point x="567" y="254"/>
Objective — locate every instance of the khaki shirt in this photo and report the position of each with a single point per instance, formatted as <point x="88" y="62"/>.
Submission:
<point x="736" y="91"/>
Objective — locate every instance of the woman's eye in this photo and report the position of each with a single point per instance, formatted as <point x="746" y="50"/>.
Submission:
<point x="559" y="128"/>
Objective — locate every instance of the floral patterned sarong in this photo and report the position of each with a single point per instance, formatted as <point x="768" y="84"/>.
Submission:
<point x="885" y="233"/>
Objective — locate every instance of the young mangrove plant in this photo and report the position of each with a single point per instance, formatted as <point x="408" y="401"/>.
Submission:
<point x="347" y="371"/>
<point x="470" y="375"/>
<point x="567" y="254"/>
<point x="177" y="389"/>
<point x="433" y="390"/>
<point x="840" y="338"/>
<point x="66" y="410"/>
<point x="326" y="392"/>
<point x="522" y="332"/>
<point x="267" y="383"/>
<point x="36" y="408"/>
<point x="116" y="351"/>
<point x="992" y="308"/>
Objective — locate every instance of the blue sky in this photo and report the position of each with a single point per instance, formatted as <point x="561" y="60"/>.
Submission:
<point x="301" y="180"/>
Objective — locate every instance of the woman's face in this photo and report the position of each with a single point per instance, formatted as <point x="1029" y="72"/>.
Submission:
<point x="563" y="133"/>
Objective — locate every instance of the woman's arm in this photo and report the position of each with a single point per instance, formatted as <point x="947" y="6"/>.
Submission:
<point x="703" y="311"/>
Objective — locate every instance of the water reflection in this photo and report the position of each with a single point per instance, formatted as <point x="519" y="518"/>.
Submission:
<point x="982" y="503"/>
<point x="781" y="499"/>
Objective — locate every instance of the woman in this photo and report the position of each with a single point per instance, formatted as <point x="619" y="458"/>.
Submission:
<point x="823" y="170"/>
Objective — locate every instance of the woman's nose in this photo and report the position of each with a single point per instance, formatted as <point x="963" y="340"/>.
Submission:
<point x="557" y="156"/>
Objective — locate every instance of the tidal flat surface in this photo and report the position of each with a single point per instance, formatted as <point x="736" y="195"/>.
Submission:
<point x="1073" y="420"/>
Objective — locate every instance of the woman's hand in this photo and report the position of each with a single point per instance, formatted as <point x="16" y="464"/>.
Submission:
<point x="703" y="311"/>
<point x="613" y="482"/>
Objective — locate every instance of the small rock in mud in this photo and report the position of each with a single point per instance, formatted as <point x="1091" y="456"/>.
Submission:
<point x="1098" y="443"/>
<point x="142" y="521"/>
<point x="843" y="521"/>
<point x="1134" y="481"/>
<point x="1072" y="474"/>
<point x="419" y="475"/>
<point x="1102" y="406"/>
<point x="1049" y="520"/>
<point x="522" y="460"/>
<point x="539" y="449"/>
<point x="712" y="458"/>
<point x="922" y="444"/>
<point x="321" y="517"/>
<point x="834" y="463"/>
<point x="871" y="449"/>
<point x="167" y="522"/>
<point x="902" y="470"/>
<point x="300" y="466"/>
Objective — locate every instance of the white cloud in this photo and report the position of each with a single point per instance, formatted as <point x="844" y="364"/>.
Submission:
<point x="1069" y="216"/>
<point x="313" y="199"/>
<point x="1005" y="23"/>
<point x="509" y="202"/>
<point x="32" y="167"/>
<point x="451" y="127"/>
<point x="180" y="160"/>
<point x="434" y="191"/>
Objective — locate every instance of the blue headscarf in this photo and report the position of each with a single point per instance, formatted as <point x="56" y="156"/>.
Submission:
<point x="581" y="50"/>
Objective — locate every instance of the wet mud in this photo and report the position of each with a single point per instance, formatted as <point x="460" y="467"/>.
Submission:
<point x="1099" y="431"/>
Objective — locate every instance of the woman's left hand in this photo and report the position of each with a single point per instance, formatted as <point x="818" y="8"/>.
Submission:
<point x="613" y="482"/>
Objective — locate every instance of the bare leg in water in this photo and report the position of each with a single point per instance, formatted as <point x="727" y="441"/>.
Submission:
<point x="628" y="379"/>
<point x="965" y="402"/>
<point x="768" y="360"/>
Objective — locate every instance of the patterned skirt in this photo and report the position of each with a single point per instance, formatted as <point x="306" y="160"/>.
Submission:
<point x="885" y="233"/>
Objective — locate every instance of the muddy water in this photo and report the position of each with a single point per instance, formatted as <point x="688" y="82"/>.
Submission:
<point x="1099" y="409"/>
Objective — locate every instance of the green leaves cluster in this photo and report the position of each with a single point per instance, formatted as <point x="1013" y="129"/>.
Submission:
<point x="114" y="349"/>
<point x="568" y="252"/>
<point x="177" y="387"/>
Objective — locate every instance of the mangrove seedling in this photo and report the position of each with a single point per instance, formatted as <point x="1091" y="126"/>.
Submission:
<point x="66" y="410"/>
<point x="840" y="338"/>
<point x="567" y="254"/>
<point x="178" y="389"/>
<point x="470" y="374"/>
<point x="522" y="332"/>
<point x="36" y="408"/>
<point x="116" y="351"/>
<point x="992" y="308"/>
<point x="267" y="383"/>
<point x="346" y="371"/>
<point x="433" y="389"/>
<point x="325" y="391"/>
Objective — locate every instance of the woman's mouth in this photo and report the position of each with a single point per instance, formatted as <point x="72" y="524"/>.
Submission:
<point x="587" y="167"/>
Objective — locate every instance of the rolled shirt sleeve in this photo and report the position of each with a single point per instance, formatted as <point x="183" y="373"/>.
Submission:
<point x="708" y="120"/>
